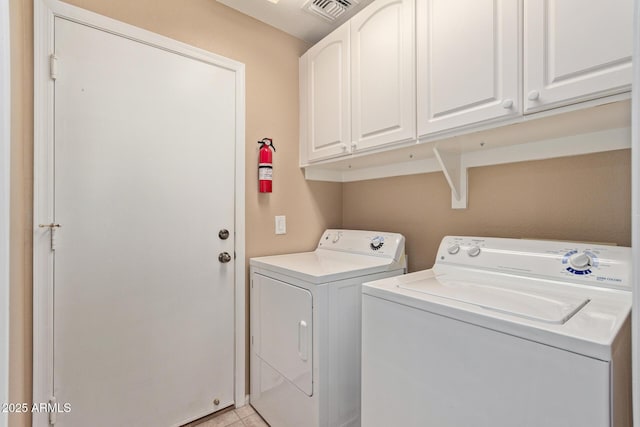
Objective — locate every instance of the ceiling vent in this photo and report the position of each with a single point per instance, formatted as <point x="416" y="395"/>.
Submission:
<point x="329" y="9"/>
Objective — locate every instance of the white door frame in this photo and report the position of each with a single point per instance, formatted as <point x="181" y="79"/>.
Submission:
<point x="5" y="174"/>
<point x="44" y="13"/>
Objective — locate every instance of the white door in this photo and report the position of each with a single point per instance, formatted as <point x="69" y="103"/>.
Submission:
<point x="326" y="92"/>
<point x="143" y="310"/>
<point x="468" y="63"/>
<point x="575" y="50"/>
<point x="383" y="74"/>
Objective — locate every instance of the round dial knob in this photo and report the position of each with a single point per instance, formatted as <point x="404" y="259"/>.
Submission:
<point x="453" y="249"/>
<point x="473" y="251"/>
<point x="377" y="242"/>
<point x="580" y="261"/>
<point x="336" y="238"/>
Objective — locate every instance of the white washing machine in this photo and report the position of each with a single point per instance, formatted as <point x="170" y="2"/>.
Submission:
<point x="305" y="327"/>
<point x="501" y="333"/>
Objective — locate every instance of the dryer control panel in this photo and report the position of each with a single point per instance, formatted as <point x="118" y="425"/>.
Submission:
<point x="374" y="243"/>
<point x="587" y="263"/>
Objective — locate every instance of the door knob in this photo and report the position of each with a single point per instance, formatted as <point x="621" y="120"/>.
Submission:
<point x="223" y="234"/>
<point x="224" y="257"/>
<point x="507" y="104"/>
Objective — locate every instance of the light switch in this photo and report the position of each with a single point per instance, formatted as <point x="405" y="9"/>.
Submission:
<point x="281" y="224"/>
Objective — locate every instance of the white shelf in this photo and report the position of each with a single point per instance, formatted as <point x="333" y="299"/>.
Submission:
<point x="601" y="128"/>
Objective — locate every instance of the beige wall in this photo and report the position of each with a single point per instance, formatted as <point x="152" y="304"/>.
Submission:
<point x="271" y="59"/>
<point x="585" y="198"/>
<point x="21" y="208"/>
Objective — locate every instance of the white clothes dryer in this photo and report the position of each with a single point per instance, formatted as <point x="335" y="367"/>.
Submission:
<point x="501" y="333"/>
<point x="305" y="327"/>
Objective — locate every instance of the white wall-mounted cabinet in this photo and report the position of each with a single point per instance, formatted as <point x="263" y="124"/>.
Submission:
<point x="575" y="50"/>
<point x="468" y="62"/>
<point x="325" y="98"/>
<point x="357" y="85"/>
<point x="445" y="71"/>
<point x="383" y="74"/>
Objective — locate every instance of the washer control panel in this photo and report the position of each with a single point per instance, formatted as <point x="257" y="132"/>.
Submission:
<point x="376" y="243"/>
<point x="595" y="264"/>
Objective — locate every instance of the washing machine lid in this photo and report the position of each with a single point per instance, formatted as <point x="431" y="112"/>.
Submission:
<point x="323" y="266"/>
<point x="549" y="306"/>
<point x="542" y="311"/>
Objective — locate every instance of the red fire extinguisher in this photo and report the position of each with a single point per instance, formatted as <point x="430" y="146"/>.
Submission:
<point x="265" y="165"/>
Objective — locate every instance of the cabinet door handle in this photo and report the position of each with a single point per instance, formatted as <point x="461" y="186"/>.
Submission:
<point x="507" y="104"/>
<point x="354" y="145"/>
<point x="533" y="95"/>
<point x="302" y="341"/>
<point x="344" y="147"/>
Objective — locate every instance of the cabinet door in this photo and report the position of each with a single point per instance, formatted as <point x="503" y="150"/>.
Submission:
<point x="325" y="89"/>
<point x="468" y="56"/>
<point x="576" y="50"/>
<point x="383" y="74"/>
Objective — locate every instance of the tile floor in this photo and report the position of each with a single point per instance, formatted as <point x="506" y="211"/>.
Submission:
<point x="241" y="417"/>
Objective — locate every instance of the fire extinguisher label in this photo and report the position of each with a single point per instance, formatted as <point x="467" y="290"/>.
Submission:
<point x="265" y="173"/>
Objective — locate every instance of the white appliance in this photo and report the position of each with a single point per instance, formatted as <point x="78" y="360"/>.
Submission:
<point x="501" y="332"/>
<point x="305" y="327"/>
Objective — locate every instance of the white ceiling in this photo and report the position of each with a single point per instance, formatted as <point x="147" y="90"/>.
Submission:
<point x="292" y="17"/>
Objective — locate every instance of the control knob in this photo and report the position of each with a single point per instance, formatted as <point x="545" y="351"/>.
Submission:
<point x="473" y="251"/>
<point x="453" y="249"/>
<point x="377" y="242"/>
<point x="580" y="261"/>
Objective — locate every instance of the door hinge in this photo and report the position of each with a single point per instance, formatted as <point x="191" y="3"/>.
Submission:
<point x="52" y="233"/>
<point x="53" y="66"/>
<point x="53" y="410"/>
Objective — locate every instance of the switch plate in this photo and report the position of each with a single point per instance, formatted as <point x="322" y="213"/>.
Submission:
<point x="281" y="224"/>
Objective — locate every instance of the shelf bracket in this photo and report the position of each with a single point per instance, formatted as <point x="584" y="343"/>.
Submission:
<point x="455" y="172"/>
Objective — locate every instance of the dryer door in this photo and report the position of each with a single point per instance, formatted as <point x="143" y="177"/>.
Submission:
<point x="283" y="338"/>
